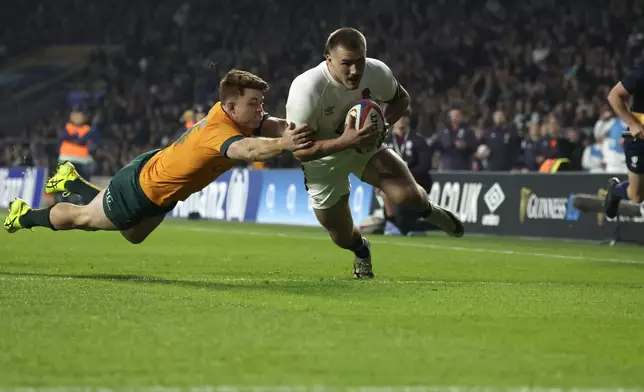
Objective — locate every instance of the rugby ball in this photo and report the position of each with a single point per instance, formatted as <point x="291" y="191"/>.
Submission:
<point x="367" y="112"/>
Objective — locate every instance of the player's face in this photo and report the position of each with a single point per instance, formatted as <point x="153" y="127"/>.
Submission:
<point x="249" y="108"/>
<point x="347" y="66"/>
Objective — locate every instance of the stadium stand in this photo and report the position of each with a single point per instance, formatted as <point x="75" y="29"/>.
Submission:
<point x="546" y="65"/>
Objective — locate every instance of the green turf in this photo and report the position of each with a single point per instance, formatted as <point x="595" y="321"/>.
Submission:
<point x="230" y="304"/>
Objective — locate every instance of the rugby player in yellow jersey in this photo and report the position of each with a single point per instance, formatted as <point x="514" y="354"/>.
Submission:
<point x="141" y="194"/>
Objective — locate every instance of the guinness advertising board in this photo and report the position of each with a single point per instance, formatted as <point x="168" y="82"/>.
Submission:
<point x="534" y="204"/>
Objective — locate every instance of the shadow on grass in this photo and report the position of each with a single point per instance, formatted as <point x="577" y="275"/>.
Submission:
<point x="311" y="287"/>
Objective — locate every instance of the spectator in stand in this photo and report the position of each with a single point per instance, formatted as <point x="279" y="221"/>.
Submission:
<point x="25" y="157"/>
<point x="593" y="157"/>
<point x="577" y="144"/>
<point x="188" y="119"/>
<point x="539" y="57"/>
<point x="75" y="143"/>
<point x="614" y="146"/>
<point x="556" y="149"/>
<point x="456" y="143"/>
<point x="500" y="145"/>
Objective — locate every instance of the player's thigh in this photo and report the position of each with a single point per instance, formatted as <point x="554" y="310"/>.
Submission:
<point x="142" y="230"/>
<point x="95" y="214"/>
<point x="634" y="153"/>
<point x="328" y="188"/>
<point x="636" y="187"/>
<point x="326" y="183"/>
<point x="389" y="173"/>
<point x="337" y="218"/>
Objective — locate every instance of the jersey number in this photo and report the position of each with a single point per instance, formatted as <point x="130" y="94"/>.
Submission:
<point x="183" y="137"/>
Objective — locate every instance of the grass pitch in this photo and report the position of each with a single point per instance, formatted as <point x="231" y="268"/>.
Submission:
<point x="211" y="304"/>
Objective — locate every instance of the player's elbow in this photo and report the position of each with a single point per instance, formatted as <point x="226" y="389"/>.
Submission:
<point x="617" y="93"/>
<point x="404" y="100"/>
<point x="611" y="95"/>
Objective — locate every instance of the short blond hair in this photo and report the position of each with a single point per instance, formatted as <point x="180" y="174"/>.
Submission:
<point x="235" y="81"/>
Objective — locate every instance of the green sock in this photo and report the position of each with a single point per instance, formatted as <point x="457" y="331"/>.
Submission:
<point x="83" y="189"/>
<point x="36" y="218"/>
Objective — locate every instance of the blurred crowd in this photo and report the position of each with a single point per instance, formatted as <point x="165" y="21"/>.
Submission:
<point x="536" y="71"/>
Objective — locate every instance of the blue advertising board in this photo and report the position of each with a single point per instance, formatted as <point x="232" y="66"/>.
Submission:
<point x="25" y="183"/>
<point x="265" y="196"/>
<point x="232" y="197"/>
<point x="284" y="199"/>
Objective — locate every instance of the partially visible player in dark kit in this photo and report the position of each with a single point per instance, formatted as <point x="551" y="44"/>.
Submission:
<point x="631" y="86"/>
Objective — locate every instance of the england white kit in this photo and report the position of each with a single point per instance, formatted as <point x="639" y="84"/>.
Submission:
<point x="316" y="99"/>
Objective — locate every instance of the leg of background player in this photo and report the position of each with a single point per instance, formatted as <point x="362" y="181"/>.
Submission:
<point x="337" y="220"/>
<point x="408" y="220"/>
<point x="388" y="172"/>
<point x="631" y="189"/>
<point x="635" y="190"/>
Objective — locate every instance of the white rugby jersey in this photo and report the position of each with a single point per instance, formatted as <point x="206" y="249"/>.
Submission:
<point x="316" y="99"/>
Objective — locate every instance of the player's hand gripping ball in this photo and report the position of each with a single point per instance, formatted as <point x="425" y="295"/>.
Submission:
<point x="368" y="112"/>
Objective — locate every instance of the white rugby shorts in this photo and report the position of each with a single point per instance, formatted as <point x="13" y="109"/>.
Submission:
<point x="327" y="179"/>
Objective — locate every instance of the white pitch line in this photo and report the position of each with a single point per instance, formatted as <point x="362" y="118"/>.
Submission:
<point x="224" y="388"/>
<point x="412" y="244"/>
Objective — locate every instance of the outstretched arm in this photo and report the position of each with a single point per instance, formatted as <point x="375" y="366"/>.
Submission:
<point x="321" y="149"/>
<point x="274" y="127"/>
<point x="263" y="148"/>
<point x="254" y="149"/>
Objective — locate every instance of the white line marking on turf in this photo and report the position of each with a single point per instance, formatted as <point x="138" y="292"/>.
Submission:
<point x="225" y="388"/>
<point x="415" y="245"/>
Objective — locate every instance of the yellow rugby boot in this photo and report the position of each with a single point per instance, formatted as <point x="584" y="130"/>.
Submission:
<point x="17" y="209"/>
<point x="65" y="172"/>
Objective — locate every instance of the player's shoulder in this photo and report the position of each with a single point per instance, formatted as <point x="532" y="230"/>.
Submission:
<point x="310" y="84"/>
<point x="376" y="65"/>
<point x="376" y="70"/>
<point x="313" y="78"/>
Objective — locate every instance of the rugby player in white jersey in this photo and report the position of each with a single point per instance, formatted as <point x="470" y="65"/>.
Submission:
<point x="321" y="98"/>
